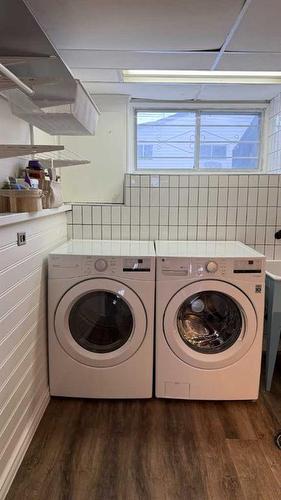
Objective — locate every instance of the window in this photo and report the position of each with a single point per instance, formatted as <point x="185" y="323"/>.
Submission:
<point x="201" y="140"/>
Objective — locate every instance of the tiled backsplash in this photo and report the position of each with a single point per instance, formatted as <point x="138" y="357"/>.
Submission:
<point x="195" y="207"/>
<point x="274" y="135"/>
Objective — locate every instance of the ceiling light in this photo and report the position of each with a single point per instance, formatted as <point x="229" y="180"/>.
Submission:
<point x="185" y="76"/>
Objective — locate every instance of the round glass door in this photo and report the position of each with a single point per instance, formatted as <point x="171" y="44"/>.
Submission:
<point x="101" y="321"/>
<point x="209" y="322"/>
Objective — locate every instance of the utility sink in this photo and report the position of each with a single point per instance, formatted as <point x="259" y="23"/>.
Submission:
<point x="272" y="316"/>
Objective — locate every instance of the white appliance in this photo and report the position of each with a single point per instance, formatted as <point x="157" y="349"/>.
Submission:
<point x="101" y="318"/>
<point x="209" y="320"/>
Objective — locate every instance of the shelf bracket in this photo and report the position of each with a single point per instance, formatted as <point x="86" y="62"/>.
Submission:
<point x="11" y="76"/>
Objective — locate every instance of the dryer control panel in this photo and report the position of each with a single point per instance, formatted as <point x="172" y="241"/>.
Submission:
<point x="72" y="266"/>
<point x="136" y="265"/>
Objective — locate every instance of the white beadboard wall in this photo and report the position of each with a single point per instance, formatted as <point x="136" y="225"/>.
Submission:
<point x="24" y="391"/>
<point x="274" y="135"/>
<point x="196" y="207"/>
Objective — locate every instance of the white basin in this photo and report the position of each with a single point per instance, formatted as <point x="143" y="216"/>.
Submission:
<point x="273" y="269"/>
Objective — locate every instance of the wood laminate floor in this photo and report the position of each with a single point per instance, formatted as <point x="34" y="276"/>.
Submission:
<point x="154" y="449"/>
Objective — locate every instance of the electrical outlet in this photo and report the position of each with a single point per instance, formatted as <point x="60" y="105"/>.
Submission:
<point x="154" y="181"/>
<point x="21" y="239"/>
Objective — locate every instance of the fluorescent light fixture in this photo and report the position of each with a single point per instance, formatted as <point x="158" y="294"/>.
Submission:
<point x="185" y="76"/>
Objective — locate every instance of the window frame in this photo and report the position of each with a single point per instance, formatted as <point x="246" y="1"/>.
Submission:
<point x="220" y="109"/>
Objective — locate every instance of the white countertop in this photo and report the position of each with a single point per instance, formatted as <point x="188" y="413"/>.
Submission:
<point x="13" y="218"/>
<point x="208" y="249"/>
<point x="119" y="248"/>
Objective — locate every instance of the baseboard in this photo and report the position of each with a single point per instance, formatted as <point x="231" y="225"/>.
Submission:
<point x="22" y="446"/>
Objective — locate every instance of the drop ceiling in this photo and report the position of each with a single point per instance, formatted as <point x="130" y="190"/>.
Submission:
<point x="98" y="38"/>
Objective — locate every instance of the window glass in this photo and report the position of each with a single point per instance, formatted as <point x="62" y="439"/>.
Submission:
<point x="197" y="140"/>
<point x="233" y="140"/>
<point x="170" y="137"/>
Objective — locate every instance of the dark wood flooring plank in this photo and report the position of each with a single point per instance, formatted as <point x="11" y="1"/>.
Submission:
<point x="154" y="450"/>
<point x="255" y="476"/>
<point x="175" y="453"/>
<point x="235" y="419"/>
<point x="47" y="448"/>
<point x="266" y="425"/>
<point x="219" y="471"/>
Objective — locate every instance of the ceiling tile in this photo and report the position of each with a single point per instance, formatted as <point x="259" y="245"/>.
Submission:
<point x="213" y="92"/>
<point x="136" y="60"/>
<point x="250" y="62"/>
<point x="260" y="28"/>
<point x="145" y="91"/>
<point x="96" y="75"/>
<point x="239" y="92"/>
<point x="135" y="24"/>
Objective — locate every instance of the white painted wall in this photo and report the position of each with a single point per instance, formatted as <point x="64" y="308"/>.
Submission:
<point x="12" y="131"/>
<point x="41" y="137"/>
<point x="111" y="150"/>
<point x="102" y="180"/>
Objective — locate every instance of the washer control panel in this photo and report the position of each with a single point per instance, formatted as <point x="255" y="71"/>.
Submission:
<point x="246" y="266"/>
<point x="191" y="267"/>
<point x="175" y="267"/>
<point x="217" y="268"/>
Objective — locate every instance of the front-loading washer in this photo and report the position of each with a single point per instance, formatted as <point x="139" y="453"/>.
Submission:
<point x="101" y="319"/>
<point x="209" y="320"/>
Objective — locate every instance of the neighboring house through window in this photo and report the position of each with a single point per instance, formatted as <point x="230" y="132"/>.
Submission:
<point x="168" y="139"/>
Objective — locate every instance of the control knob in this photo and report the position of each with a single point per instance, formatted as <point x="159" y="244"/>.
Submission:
<point x="212" y="267"/>
<point x="100" y="265"/>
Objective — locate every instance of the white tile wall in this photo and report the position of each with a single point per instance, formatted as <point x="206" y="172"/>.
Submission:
<point x="223" y="207"/>
<point x="274" y="135"/>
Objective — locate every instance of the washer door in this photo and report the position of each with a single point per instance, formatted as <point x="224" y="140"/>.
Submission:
<point x="210" y="324"/>
<point x="100" y="322"/>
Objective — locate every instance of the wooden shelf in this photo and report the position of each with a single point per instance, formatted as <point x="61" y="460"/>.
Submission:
<point x="13" y="218"/>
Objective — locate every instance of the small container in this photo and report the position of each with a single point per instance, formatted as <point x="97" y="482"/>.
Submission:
<point x="23" y="200"/>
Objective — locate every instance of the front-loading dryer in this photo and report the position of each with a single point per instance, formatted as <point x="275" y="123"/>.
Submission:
<point x="209" y="320"/>
<point x="101" y="318"/>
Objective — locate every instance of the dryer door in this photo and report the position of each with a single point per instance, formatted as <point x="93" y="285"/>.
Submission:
<point x="210" y="324"/>
<point x="100" y="322"/>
